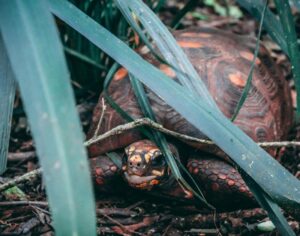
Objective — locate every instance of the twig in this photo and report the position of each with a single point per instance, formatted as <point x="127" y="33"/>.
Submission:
<point x="147" y="221"/>
<point x="18" y="203"/>
<point x="116" y="211"/>
<point x="101" y="118"/>
<point x="121" y="228"/>
<point x="147" y="122"/>
<point x="26" y="177"/>
<point x="20" y="156"/>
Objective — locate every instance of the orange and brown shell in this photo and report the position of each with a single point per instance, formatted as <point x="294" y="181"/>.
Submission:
<point x="223" y="61"/>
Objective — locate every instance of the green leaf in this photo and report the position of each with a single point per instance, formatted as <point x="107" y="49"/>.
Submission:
<point x="288" y="26"/>
<point x="168" y="47"/>
<point x="257" y="163"/>
<point x="7" y="96"/>
<point x="84" y="58"/>
<point x="14" y="193"/>
<point x="268" y="204"/>
<point x="37" y="59"/>
<point x="249" y="79"/>
<point x="180" y="15"/>
<point x="271" y="23"/>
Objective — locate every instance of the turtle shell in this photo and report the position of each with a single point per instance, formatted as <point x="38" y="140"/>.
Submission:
<point x="223" y="61"/>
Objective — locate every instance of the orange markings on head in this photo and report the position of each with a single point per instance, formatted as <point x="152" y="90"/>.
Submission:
<point x="120" y="74"/>
<point x="167" y="70"/>
<point x="186" y="44"/>
<point x="249" y="56"/>
<point x="237" y="79"/>
<point x="142" y="185"/>
<point x="154" y="182"/>
<point x="135" y="159"/>
<point x="147" y="157"/>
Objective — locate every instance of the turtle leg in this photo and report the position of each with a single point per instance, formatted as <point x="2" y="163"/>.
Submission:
<point x="221" y="183"/>
<point x="106" y="173"/>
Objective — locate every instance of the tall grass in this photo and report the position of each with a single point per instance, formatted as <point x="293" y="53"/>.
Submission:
<point x="36" y="57"/>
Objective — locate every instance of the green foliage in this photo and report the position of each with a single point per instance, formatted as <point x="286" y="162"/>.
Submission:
<point x="271" y="24"/>
<point x="14" y="193"/>
<point x="228" y="10"/>
<point x="288" y="26"/>
<point x="38" y="63"/>
<point x="249" y="79"/>
<point x="7" y="94"/>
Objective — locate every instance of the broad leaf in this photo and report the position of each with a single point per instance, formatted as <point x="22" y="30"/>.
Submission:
<point x="7" y="95"/>
<point x="37" y="59"/>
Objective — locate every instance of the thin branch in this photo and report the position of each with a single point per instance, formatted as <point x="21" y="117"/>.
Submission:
<point x="26" y="177"/>
<point x="139" y="122"/>
<point x="21" y="156"/>
<point x="18" y="203"/>
<point x="147" y="122"/>
<point x="101" y="118"/>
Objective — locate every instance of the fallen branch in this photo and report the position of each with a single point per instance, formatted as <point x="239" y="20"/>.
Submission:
<point x="21" y="203"/>
<point x="26" y="177"/>
<point x="147" y="122"/>
<point x="21" y="156"/>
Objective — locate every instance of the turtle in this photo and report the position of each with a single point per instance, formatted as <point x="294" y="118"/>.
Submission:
<point x="223" y="61"/>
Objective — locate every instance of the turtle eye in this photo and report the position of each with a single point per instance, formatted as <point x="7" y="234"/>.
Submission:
<point x="158" y="161"/>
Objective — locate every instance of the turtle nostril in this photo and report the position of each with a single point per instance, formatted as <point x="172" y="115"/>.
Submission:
<point x="130" y="163"/>
<point x="139" y="164"/>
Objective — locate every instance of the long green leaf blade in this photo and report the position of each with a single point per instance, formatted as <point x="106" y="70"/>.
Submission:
<point x="7" y="95"/>
<point x="169" y="48"/>
<point x="249" y="79"/>
<point x="258" y="164"/>
<point x="271" y="23"/>
<point x="274" y="211"/>
<point x="288" y="27"/>
<point x="37" y="59"/>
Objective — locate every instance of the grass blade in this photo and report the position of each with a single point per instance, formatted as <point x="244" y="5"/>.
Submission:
<point x="168" y="47"/>
<point x="7" y="95"/>
<point x="249" y="79"/>
<point x="37" y="59"/>
<point x="257" y="163"/>
<point x="288" y="26"/>
<point x="271" y="23"/>
<point x="189" y="6"/>
<point x="274" y="211"/>
<point x="84" y="58"/>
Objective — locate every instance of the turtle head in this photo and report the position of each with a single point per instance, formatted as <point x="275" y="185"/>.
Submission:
<point x="144" y="166"/>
